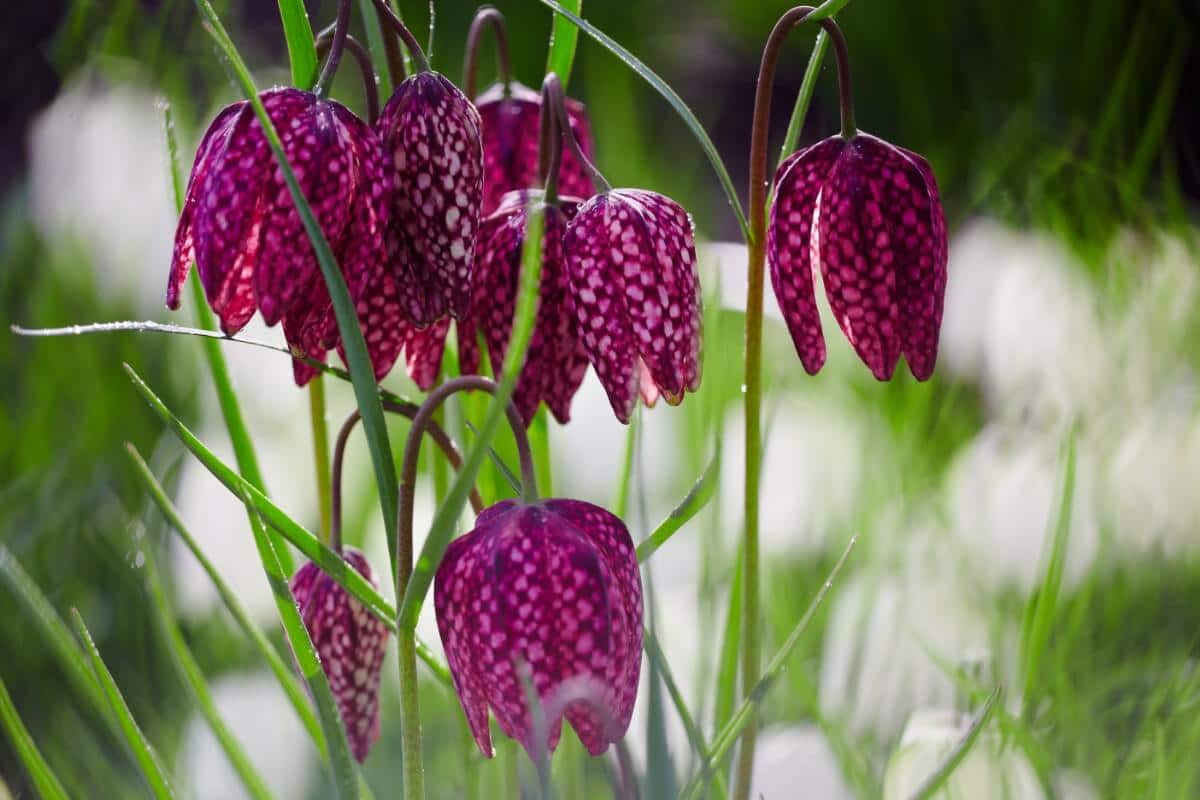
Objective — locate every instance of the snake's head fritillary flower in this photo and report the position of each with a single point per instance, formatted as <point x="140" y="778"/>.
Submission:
<point x="548" y="594"/>
<point x="351" y="644"/>
<point x="511" y="125"/>
<point x="868" y="215"/>
<point x="631" y="262"/>
<point x="430" y="135"/>
<point x="555" y="362"/>
<point x="240" y="226"/>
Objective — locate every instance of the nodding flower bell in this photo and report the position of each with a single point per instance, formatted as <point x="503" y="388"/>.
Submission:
<point x="351" y="644"/>
<point x="545" y="594"/>
<point x="242" y="229"/>
<point x="867" y="215"/>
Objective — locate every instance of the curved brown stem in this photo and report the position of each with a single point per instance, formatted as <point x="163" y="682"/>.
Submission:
<point x="552" y="91"/>
<point x="388" y="17"/>
<point x="486" y="16"/>
<point x="365" y="67"/>
<point x="550" y="140"/>
<point x="341" y="30"/>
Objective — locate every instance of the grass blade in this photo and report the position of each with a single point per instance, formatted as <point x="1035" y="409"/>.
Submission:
<point x="345" y="775"/>
<point x="302" y="52"/>
<point x="938" y="779"/>
<point x="727" y="668"/>
<point x="695" y="501"/>
<point x="804" y="96"/>
<point x="143" y="751"/>
<point x="564" y="37"/>
<point x="44" y="779"/>
<point x="362" y="375"/>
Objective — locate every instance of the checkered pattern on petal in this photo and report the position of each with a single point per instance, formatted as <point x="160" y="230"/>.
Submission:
<point x="923" y="282"/>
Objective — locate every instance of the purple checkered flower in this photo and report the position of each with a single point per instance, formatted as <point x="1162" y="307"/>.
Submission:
<point x="510" y="128"/>
<point x="430" y="135"/>
<point x="868" y="214"/>
<point x="240" y="226"/>
<point x="351" y="644"/>
<point x="555" y="362"/>
<point x="631" y="262"/>
<point x="549" y="594"/>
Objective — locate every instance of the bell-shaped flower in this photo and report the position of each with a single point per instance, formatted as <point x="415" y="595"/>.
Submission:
<point x="631" y="262"/>
<point x="511" y="124"/>
<point x="430" y="136"/>
<point x="868" y="215"/>
<point x="555" y="363"/>
<point x="546" y="595"/>
<point x="350" y="642"/>
<point x="240" y="226"/>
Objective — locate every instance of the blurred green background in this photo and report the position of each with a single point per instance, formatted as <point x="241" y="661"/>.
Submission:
<point x="1066" y="140"/>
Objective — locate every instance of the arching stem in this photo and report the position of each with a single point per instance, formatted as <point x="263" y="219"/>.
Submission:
<point x="388" y="17"/>
<point x="365" y="67"/>
<point x="552" y="92"/>
<point x="550" y="140"/>
<point x="487" y="16"/>
<point x="341" y="29"/>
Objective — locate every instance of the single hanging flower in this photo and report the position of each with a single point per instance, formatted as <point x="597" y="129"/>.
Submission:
<point x="242" y="229"/>
<point x="548" y="593"/>
<point x="351" y="643"/>
<point x="555" y="362"/>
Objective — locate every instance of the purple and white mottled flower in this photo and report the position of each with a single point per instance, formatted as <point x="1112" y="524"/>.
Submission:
<point x="240" y="226"/>
<point x="555" y="363"/>
<point x="351" y="644"/>
<point x="631" y="262"/>
<point x="549" y="592"/>
<point x="868" y="213"/>
<point x="511" y="126"/>
<point x="430" y="135"/>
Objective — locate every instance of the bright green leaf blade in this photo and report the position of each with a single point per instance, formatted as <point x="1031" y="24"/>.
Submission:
<point x="44" y="779"/>
<point x="450" y="510"/>
<point x="344" y="772"/>
<point x="143" y="751"/>
<point x="675" y="101"/>
<point x="804" y="96"/>
<point x="302" y="51"/>
<point x="362" y="375"/>
<point x="370" y="21"/>
<point x="938" y="779"/>
<point x="695" y="501"/>
<point x="564" y="37"/>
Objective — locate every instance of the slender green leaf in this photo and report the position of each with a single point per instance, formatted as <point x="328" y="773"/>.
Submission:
<point x="620" y="505"/>
<point x="727" y="669"/>
<point x="804" y="96"/>
<point x="672" y="98"/>
<point x="507" y="472"/>
<point x="344" y="772"/>
<point x="362" y="374"/>
<point x="44" y="779"/>
<point x="449" y="511"/>
<point x="143" y="751"/>
<point x="938" y="779"/>
<point x="239" y="436"/>
<point x="302" y="52"/>
<point x="564" y="37"/>
<point x="695" y="501"/>
<point x="375" y="45"/>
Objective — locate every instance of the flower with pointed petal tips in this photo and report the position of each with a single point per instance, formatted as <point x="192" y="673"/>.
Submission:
<point x="351" y="644"/>
<point x="631" y="261"/>
<point x="555" y="362"/>
<point x="549" y="593"/>
<point x="240" y="226"/>
<point x="430" y="134"/>
<point x="868" y="214"/>
<point x="511" y="130"/>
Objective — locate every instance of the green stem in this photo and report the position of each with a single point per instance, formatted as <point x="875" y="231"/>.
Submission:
<point x="320" y="435"/>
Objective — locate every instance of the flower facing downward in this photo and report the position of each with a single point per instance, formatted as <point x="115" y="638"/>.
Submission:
<point x="631" y="261"/>
<point x="549" y="593"/>
<point x="351" y="644"/>
<point x="430" y="135"/>
<point x="242" y="229"/>
<point x="867" y="213"/>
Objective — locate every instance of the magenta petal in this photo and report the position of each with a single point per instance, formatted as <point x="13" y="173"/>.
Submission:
<point x="798" y="182"/>
<point x="923" y="277"/>
<point x="302" y="328"/>
<point x="431" y="133"/>
<point x="351" y="644"/>
<point x="424" y="349"/>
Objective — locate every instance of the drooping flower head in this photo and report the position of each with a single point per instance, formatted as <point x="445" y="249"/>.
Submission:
<point x="242" y="229"/>
<point x="547" y="593"/>
<point x="351" y="644"/>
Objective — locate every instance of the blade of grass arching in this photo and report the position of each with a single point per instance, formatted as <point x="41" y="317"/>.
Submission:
<point x="938" y="779"/>
<point x="283" y="673"/>
<point x="723" y="742"/>
<point x="231" y="411"/>
<point x="193" y="677"/>
<point x="450" y="510"/>
<point x="344" y="772"/>
<point x="44" y="780"/>
<point x="1040" y="614"/>
<point x="697" y="498"/>
<point x="143" y="751"/>
<point x="302" y="52"/>
<point x="362" y="374"/>
<point x="375" y="45"/>
<point x="564" y="37"/>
